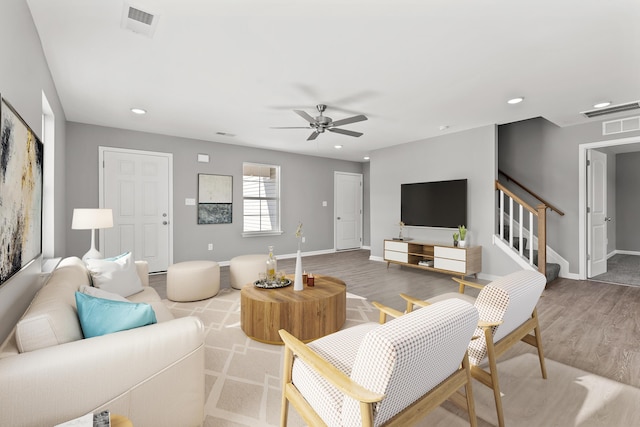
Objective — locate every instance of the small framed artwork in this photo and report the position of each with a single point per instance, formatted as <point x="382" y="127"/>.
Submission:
<point x="215" y="199"/>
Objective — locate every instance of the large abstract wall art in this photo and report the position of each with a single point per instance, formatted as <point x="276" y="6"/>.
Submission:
<point x="215" y="199"/>
<point x="21" y="158"/>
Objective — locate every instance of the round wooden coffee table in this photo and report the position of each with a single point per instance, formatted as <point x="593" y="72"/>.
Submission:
<point x="308" y="314"/>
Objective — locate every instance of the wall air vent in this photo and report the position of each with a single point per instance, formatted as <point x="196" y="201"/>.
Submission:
<point x="629" y="124"/>
<point x="139" y="21"/>
<point x="612" y="109"/>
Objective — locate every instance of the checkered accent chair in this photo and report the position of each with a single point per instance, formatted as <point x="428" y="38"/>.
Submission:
<point x="403" y="359"/>
<point x="507" y="309"/>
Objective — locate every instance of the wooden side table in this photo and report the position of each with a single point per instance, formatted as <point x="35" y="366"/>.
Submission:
<point x="308" y="314"/>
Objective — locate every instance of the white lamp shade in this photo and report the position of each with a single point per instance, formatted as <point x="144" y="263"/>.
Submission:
<point x="90" y="219"/>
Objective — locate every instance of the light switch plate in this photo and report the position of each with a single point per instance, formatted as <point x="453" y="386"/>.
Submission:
<point x="190" y="202"/>
<point x="203" y="158"/>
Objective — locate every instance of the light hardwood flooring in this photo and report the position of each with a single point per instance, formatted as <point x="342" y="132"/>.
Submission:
<point x="589" y="325"/>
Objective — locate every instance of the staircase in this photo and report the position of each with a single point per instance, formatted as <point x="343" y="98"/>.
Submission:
<point x="529" y="227"/>
<point x="552" y="270"/>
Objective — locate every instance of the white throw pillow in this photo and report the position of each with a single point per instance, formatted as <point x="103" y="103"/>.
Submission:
<point x="117" y="275"/>
<point x="101" y="293"/>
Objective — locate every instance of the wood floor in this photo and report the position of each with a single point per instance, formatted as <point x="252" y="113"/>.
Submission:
<point x="589" y="325"/>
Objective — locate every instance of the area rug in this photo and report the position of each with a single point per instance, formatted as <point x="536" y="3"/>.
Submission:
<point x="243" y="380"/>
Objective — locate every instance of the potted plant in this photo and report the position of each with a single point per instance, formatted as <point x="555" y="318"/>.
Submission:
<point x="463" y="236"/>
<point x="455" y="239"/>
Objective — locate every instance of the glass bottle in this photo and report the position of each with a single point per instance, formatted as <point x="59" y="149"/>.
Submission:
<point x="272" y="266"/>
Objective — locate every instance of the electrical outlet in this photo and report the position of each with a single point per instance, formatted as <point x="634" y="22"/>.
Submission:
<point x="304" y="239"/>
<point x="210" y="246"/>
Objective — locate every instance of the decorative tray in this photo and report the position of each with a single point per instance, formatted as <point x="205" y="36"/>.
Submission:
<point x="272" y="285"/>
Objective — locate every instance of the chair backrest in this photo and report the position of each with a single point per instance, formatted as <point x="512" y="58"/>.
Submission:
<point x="408" y="356"/>
<point x="510" y="299"/>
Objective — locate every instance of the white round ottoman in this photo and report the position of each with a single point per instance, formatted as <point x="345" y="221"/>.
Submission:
<point x="244" y="269"/>
<point x="193" y="280"/>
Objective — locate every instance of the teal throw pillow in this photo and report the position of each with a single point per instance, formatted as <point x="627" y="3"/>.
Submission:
<point x="100" y="316"/>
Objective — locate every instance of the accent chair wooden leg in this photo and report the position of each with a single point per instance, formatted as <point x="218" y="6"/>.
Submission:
<point x="536" y="332"/>
<point x="471" y="407"/>
<point x="286" y="379"/>
<point x="493" y="368"/>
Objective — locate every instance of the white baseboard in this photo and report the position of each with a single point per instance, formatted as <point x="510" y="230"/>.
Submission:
<point x="376" y="258"/>
<point x="617" y="251"/>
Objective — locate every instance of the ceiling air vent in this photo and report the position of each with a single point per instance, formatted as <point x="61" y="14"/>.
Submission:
<point x="138" y="20"/>
<point x="612" y="109"/>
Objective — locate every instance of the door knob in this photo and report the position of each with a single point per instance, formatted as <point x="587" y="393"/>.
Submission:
<point x="608" y="218"/>
<point x="338" y="217"/>
<point x="164" y="223"/>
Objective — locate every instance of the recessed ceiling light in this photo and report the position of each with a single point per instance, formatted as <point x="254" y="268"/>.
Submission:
<point x="517" y="100"/>
<point x="366" y="157"/>
<point x="138" y="111"/>
<point x="444" y="127"/>
<point x="337" y="147"/>
<point x="602" y="104"/>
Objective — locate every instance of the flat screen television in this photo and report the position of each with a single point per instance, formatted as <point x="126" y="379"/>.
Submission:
<point x="434" y="204"/>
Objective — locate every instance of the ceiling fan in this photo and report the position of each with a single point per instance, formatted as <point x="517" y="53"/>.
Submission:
<point x="322" y="123"/>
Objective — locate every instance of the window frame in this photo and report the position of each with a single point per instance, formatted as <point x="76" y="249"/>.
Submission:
<point x="277" y="227"/>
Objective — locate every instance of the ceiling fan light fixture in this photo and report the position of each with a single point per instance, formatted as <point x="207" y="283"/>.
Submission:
<point x="516" y="100"/>
<point x="338" y="147"/>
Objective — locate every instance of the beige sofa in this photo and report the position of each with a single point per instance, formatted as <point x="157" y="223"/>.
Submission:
<point x="154" y="374"/>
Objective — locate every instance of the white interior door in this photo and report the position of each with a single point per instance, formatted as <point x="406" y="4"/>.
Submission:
<point x="348" y="208"/>
<point x="596" y="213"/>
<point x="137" y="186"/>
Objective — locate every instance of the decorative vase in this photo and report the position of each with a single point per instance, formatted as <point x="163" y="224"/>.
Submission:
<point x="298" y="285"/>
<point x="462" y="244"/>
<point x="272" y="266"/>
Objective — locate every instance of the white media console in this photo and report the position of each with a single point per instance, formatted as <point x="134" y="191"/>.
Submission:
<point x="434" y="257"/>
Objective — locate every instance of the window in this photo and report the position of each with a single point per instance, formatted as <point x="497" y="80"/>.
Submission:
<point x="261" y="199"/>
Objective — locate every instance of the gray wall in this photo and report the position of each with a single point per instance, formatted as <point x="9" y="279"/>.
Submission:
<point x="366" y="204"/>
<point x="306" y="182"/>
<point x="24" y="75"/>
<point x="470" y="154"/>
<point x="544" y="157"/>
<point x="627" y="202"/>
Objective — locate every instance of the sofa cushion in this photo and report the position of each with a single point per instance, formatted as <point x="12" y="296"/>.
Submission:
<point x="51" y="318"/>
<point x="118" y="275"/>
<point x="100" y="316"/>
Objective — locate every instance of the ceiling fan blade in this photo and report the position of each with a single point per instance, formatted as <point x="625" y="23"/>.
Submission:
<point x="354" y="119"/>
<point x="313" y="136"/>
<point x="305" y="116"/>
<point x="345" y="132"/>
<point x="289" y="127"/>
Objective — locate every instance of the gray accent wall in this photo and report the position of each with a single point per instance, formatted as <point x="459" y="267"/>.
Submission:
<point x="627" y="202"/>
<point x="24" y="76"/>
<point x="306" y="182"/>
<point x="544" y="157"/>
<point x="468" y="154"/>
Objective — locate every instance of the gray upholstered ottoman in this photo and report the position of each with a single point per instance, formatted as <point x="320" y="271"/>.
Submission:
<point x="244" y="269"/>
<point x="193" y="280"/>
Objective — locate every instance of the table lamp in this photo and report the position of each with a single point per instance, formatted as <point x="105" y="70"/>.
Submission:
<point x="92" y="219"/>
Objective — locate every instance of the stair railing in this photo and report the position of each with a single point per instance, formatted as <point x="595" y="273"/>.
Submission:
<point x="540" y="212"/>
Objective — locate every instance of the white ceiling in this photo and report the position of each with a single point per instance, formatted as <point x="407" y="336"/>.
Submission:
<point x="241" y="66"/>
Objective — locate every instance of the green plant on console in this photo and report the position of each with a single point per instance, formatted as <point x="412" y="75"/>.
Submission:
<point x="463" y="232"/>
<point x="455" y="237"/>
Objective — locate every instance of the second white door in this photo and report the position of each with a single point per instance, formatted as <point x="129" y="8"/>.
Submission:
<point x="136" y="185"/>
<point x="348" y="208"/>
